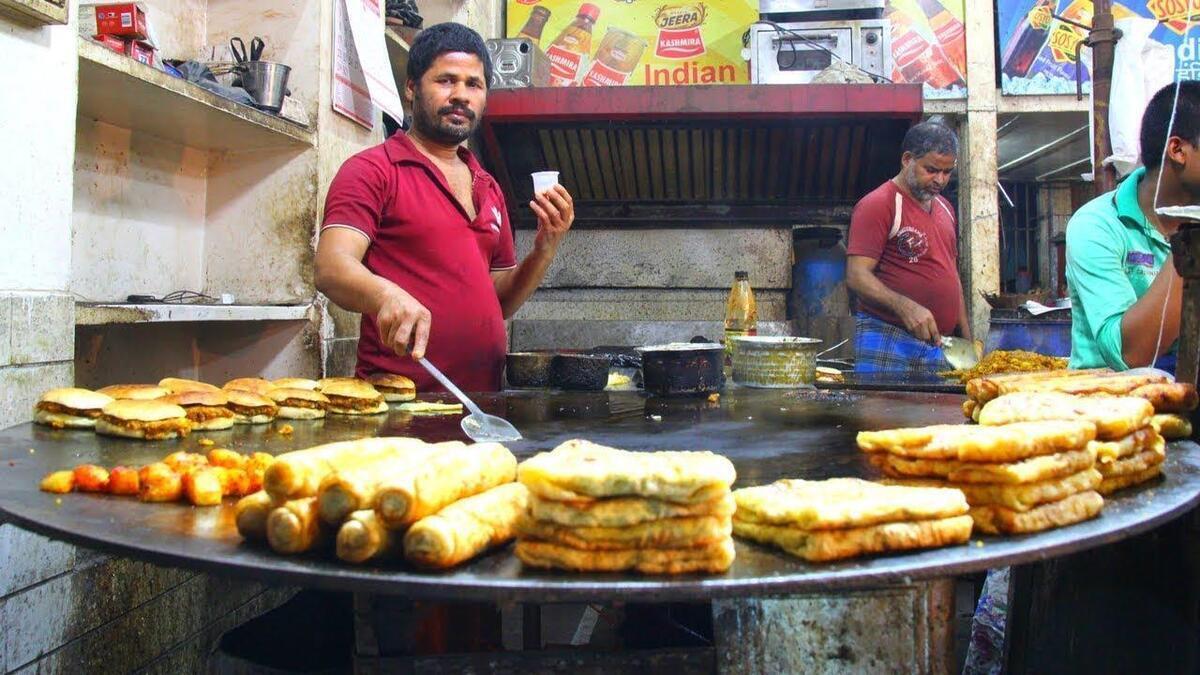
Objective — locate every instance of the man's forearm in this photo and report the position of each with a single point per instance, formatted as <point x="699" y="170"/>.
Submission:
<point x="351" y="286"/>
<point x="515" y="287"/>
<point x="1140" y="327"/>
<point x="872" y="291"/>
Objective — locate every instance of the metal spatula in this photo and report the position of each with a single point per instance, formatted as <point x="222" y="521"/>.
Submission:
<point x="478" y="426"/>
<point x="960" y="352"/>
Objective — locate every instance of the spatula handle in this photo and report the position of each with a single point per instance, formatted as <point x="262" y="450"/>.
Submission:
<point x="450" y="386"/>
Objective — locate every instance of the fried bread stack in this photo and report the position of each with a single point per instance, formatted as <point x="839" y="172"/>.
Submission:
<point x="839" y="518"/>
<point x="595" y="508"/>
<point x="1017" y="478"/>
<point x="1128" y="448"/>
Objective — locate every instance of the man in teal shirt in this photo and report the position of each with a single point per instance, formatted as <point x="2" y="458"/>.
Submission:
<point x="1125" y="293"/>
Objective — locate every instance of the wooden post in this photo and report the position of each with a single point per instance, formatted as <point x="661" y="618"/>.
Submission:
<point x="979" y="217"/>
<point x="1103" y="43"/>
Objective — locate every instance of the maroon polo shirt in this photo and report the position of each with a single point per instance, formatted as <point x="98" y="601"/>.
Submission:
<point x="422" y="240"/>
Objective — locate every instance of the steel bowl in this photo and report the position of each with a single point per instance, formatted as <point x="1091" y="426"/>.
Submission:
<point x="683" y="368"/>
<point x="774" y="362"/>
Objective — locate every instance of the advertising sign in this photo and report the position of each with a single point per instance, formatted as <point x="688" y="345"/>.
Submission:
<point x="929" y="45"/>
<point x="654" y="42"/>
<point x="1038" y="40"/>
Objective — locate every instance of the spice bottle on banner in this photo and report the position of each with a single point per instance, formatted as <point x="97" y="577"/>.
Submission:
<point x="1028" y="39"/>
<point x="950" y="33"/>
<point x="572" y="46"/>
<point x="1058" y="62"/>
<point x="741" y="314"/>
<point x="916" y="59"/>
<point x="616" y="58"/>
<point x="532" y="30"/>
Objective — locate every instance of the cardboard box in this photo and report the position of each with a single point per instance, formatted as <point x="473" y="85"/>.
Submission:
<point x="140" y="52"/>
<point x="125" y="20"/>
<point x="116" y="44"/>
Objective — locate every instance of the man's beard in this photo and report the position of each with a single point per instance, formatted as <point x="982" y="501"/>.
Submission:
<point x="432" y="125"/>
<point x="919" y="193"/>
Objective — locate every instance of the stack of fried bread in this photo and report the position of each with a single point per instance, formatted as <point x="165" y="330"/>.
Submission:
<point x="453" y="500"/>
<point x="821" y="521"/>
<point x="1128" y="449"/>
<point x="1172" y="401"/>
<point x="1022" y="477"/>
<point x="595" y="508"/>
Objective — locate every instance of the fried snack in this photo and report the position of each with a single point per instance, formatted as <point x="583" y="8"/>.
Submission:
<point x="827" y="545"/>
<point x="1020" y="496"/>
<point x="294" y="527"/>
<point x="234" y="482"/>
<point x="467" y="528"/>
<point x="256" y="467"/>
<point x="251" y="513"/>
<point x="158" y="482"/>
<point x="1169" y="397"/>
<point x="1135" y="464"/>
<point x="254" y="385"/>
<point x="580" y="470"/>
<point x="1108" y="451"/>
<point x="70" y="408"/>
<point x="713" y="559"/>
<point x="226" y="458"/>
<point x="183" y="461"/>
<point x="1002" y="520"/>
<point x="984" y="389"/>
<point x="446" y="477"/>
<point x="58" y="482"/>
<point x="1011" y="443"/>
<point x="1032" y="470"/>
<point x="430" y="408"/>
<point x="624" y="511"/>
<point x="1111" y="484"/>
<point x="667" y="533"/>
<point x="1008" y="361"/>
<point x="202" y="486"/>
<point x="1172" y="427"/>
<point x="344" y="492"/>
<point x="123" y="480"/>
<point x="968" y="408"/>
<point x="843" y="502"/>
<point x="1115" y="417"/>
<point x="1079" y="382"/>
<point x="363" y="537"/>
<point x="91" y="478"/>
<point x="298" y="474"/>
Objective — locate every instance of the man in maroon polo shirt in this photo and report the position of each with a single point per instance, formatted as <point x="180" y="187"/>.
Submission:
<point x="416" y="235"/>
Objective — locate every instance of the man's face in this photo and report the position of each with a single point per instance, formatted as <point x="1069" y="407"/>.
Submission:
<point x="1186" y="156"/>
<point x="449" y="99"/>
<point x="926" y="176"/>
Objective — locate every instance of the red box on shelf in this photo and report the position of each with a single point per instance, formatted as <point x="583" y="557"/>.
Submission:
<point x="140" y="52"/>
<point x="125" y="20"/>
<point x="116" y="44"/>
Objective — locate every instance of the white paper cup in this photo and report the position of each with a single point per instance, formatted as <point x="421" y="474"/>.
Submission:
<point x="544" y="180"/>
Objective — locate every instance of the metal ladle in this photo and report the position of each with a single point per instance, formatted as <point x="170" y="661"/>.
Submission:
<point x="478" y="426"/>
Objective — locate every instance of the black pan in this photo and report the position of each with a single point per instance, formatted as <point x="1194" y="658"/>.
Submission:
<point x="683" y="369"/>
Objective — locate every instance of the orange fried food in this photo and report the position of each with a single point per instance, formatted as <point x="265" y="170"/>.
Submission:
<point x="158" y="482"/>
<point x="123" y="480"/>
<point x="256" y="466"/>
<point x="59" y="482"/>
<point x="91" y="478"/>
<point x="227" y="458"/>
<point x="234" y="482"/>
<point x="203" y="486"/>
<point x="184" y="461"/>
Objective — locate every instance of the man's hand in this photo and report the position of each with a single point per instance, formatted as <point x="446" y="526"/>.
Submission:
<point x="555" y="213"/>
<point x="402" y="320"/>
<point x="918" y="321"/>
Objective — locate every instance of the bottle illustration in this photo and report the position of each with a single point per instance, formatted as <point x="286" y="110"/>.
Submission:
<point x="1028" y="39"/>
<point x="532" y="30"/>
<point x="616" y="58"/>
<point x="572" y="46"/>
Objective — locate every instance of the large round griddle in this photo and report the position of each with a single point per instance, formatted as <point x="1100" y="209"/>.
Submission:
<point x="766" y="434"/>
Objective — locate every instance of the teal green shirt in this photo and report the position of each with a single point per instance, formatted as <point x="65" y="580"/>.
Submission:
<point x="1113" y="254"/>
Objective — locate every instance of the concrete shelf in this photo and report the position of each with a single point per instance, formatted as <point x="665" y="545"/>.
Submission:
<point x="117" y="90"/>
<point x="93" y="314"/>
<point x="35" y="11"/>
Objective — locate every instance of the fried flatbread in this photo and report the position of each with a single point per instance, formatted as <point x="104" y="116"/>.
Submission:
<point x="711" y="559"/>
<point x="984" y="389"/>
<point x="1110" y="451"/>
<point x="1010" y="443"/>
<point x="1172" y="427"/>
<point x="968" y="408"/>
<point x="843" y="502"/>
<point x="1113" y="483"/>
<point x="1032" y="470"/>
<point x="827" y="545"/>
<point x="1003" y="520"/>
<point x="1137" y="463"/>
<point x="624" y="511"/>
<point x="1020" y="496"/>
<point x="580" y="470"/>
<point x="1169" y="397"/>
<point x="666" y="533"/>
<point x="1114" y="416"/>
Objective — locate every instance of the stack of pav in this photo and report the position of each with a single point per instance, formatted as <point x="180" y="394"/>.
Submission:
<point x="839" y="518"/>
<point x="378" y="498"/>
<point x="1017" y="478"/>
<point x="1128" y="448"/>
<point x="595" y="508"/>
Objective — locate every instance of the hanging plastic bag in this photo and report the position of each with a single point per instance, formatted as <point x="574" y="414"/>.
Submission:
<point x="1141" y="66"/>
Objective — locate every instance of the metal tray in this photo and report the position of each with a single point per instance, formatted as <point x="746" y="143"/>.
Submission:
<point x="767" y="435"/>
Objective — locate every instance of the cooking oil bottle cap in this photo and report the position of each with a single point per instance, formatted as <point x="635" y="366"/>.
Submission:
<point x="589" y="10"/>
<point x="741" y="276"/>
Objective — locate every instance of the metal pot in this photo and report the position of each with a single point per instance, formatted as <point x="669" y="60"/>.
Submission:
<point x="579" y="372"/>
<point x="774" y="362"/>
<point x="529" y="370"/>
<point x="683" y="368"/>
<point x="266" y="82"/>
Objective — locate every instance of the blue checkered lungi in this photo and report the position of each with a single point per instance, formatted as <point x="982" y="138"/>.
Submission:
<point x="885" y="348"/>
